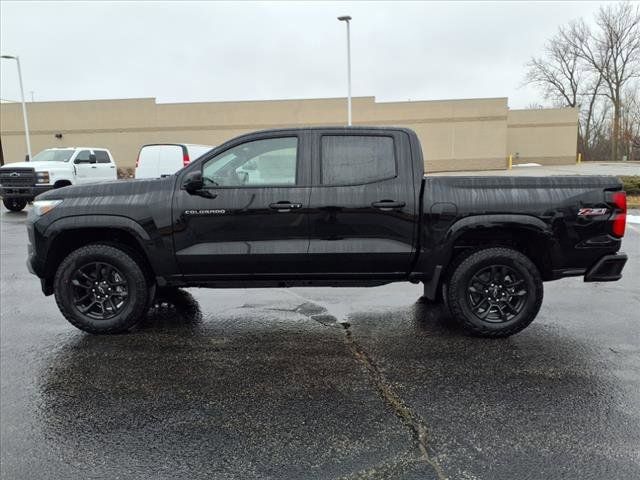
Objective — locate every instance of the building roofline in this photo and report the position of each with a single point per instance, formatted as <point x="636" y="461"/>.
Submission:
<point x="273" y="100"/>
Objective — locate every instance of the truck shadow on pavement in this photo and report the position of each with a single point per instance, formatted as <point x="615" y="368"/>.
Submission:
<point x="176" y="309"/>
<point x="263" y="392"/>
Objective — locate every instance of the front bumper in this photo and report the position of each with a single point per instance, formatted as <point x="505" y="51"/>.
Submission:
<point x="35" y="259"/>
<point x="607" y="269"/>
<point x="29" y="192"/>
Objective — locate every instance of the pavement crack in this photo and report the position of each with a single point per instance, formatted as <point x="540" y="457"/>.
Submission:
<point x="419" y="430"/>
<point x="391" y="397"/>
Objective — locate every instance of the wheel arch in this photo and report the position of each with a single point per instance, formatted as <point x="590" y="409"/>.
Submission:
<point x="68" y="234"/>
<point x="527" y="234"/>
<point x="524" y="233"/>
<point x="62" y="183"/>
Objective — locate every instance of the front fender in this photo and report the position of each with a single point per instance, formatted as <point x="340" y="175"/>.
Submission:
<point x="159" y="257"/>
<point x="96" y="221"/>
<point x="59" y="174"/>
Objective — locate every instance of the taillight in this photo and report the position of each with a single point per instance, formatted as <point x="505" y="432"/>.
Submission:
<point x="185" y="158"/>
<point x="619" y="199"/>
<point x="138" y="160"/>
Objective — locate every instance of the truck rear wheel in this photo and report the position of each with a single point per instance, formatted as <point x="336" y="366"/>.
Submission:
<point x="494" y="292"/>
<point x="14" y="204"/>
<point x="101" y="289"/>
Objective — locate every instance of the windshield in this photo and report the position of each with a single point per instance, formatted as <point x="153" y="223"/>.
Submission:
<point x="54" y="155"/>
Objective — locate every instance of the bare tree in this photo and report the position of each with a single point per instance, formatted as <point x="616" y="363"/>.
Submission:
<point x="589" y="104"/>
<point x="557" y="72"/>
<point x="611" y="51"/>
<point x="630" y="121"/>
<point x="596" y="144"/>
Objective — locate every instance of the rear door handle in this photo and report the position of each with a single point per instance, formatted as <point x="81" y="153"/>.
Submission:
<point x="94" y="166"/>
<point x="284" y="206"/>
<point x="387" y="205"/>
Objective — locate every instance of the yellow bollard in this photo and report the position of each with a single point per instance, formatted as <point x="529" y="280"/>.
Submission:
<point x="579" y="159"/>
<point x="510" y="162"/>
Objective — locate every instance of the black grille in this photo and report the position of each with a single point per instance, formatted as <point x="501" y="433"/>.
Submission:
<point x="17" y="177"/>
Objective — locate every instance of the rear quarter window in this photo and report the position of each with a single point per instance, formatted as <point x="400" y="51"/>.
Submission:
<point x="356" y="159"/>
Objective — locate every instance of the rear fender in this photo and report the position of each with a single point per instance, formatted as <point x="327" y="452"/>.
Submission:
<point x="433" y="269"/>
<point x="498" y="221"/>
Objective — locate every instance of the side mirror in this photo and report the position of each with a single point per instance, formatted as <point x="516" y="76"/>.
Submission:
<point x="193" y="182"/>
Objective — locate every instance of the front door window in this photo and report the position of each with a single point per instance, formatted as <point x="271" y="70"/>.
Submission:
<point x="261" y="163"/>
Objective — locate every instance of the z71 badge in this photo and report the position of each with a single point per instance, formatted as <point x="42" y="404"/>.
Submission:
<point x="217" y="211"/>
<point x="592" y="212"/>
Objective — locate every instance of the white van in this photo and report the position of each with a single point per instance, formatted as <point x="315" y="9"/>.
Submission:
<point x="162" y="159"/>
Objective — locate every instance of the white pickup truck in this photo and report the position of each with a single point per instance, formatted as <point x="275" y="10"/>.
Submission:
<point x="54" y="168"/>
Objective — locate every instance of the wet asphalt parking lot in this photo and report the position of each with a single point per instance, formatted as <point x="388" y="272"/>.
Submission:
<point x="320" y="383"/>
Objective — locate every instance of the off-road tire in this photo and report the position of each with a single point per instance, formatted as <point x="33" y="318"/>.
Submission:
<point x="457" y="284"/>
<point x="14" y="204"/>
<point x="138" y="289"/>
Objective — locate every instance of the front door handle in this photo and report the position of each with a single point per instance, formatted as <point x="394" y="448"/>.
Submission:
<point x="284" y="206"/>
<point x="94" y="166"/>
<point x="387" y="205"/>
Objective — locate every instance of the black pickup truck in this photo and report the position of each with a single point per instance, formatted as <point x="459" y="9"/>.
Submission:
<point x="324" y="207"/>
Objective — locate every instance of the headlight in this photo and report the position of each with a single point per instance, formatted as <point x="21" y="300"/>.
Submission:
<point x="42" y="177"/>
<point x="40" y="207"/>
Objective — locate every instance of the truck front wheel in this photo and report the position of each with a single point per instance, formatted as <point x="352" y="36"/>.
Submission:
<point x="101" y="289"/>
<point x="14" y="204"/>
<point x="494" y="292"/>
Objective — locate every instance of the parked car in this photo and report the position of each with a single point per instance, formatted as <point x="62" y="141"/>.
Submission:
<point x="162" y="159"/>
<point x="332" y="207"/>
<point x="53" y="168"/>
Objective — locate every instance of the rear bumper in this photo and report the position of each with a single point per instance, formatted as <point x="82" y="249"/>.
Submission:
<point x="607" y="269"/>
<point x="28" y="193"/>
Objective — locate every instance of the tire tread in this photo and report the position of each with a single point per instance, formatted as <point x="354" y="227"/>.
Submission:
<point x="125" y="323"/>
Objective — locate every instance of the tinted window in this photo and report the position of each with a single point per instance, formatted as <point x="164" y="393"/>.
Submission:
<point x="102" y="156"/>
<point x="268" y="162"/>
<point x="356" y="159"/>
<point x="84" y="155"/>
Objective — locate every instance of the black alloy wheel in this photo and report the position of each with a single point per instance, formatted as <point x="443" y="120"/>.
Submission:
<point x="100" y="291"/>
<point x="497" y="294"/>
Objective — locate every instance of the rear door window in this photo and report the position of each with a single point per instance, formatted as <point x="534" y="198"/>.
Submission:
<point x="102" y="156"/>
<point x="356" y="159"/>
<point x="170" y="155"/>
<point x="160" y="153"/>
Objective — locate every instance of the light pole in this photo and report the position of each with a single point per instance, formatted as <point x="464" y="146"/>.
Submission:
<point x="347" y="19"/>
<point x="24" y="105"/>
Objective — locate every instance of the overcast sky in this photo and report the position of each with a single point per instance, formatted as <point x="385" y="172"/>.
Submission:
<point x="212" y="51"/>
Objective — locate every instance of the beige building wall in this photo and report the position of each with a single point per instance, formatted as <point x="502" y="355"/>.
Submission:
<point x="544" y="136"/>
<point x="455" y="134"/>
